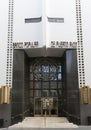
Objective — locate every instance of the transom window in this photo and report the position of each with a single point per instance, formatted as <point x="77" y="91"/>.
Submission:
<point x="46" y="70"/>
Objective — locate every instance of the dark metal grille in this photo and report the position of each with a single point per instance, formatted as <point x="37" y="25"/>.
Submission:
<point x="45" y="69"/>
<point x="45" y="77"/>
<point x="45" y="80"/>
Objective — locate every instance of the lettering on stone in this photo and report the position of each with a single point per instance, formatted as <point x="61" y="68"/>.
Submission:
<point x="63" y="44"/>
<point x="25" y="45"/>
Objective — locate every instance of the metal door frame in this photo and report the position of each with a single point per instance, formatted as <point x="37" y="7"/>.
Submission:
<point x="45" y="113"/>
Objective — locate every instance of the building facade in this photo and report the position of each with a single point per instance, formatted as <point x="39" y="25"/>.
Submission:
<point x="44" y="60"/>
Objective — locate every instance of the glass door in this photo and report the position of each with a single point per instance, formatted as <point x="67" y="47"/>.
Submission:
<point x="54" y="106"/>
<point x="46" y="107"/>
<point x="37" y="107"/>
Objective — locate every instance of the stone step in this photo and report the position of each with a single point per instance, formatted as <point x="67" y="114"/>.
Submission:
<point x="43" y="122"/>
<point x="79" y="128"/>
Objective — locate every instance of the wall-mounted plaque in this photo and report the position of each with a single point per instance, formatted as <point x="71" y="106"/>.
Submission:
<point x="85" y="95"/>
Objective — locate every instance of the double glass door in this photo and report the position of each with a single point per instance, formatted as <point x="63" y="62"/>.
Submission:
<point x="46" y="106"/>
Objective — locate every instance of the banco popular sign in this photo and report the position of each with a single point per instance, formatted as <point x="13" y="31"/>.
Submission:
<point x="53" y="44"/>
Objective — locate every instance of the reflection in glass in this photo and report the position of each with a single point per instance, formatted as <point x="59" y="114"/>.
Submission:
<point x="59" y="76"/>
<point x="53" y="85"/>
<point x="45" y="93"/>
<point x="59" y="68"/>
<point x="60" y="92"/>
<point x="37" y="106"/>
<point x="45" y="68"/>
<point x="53" y="93"/>
<point x="37" y="85"/>
<point x="45" y="82"/>
<point x="37" y="93"/>
<point x="60" y="85"/>
<point x="45" y="75"/>
<point x="31" y="106"/>
<point x="53" y="69"/>
<point x="45" y="85"/>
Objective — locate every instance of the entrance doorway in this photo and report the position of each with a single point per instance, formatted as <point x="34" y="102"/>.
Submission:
<point x="35" y="78"/>
<point x="46" y="107"/>
<point x="45" y="86"/>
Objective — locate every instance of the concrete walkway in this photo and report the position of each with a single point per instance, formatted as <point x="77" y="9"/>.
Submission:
<point x="44" y="122"/>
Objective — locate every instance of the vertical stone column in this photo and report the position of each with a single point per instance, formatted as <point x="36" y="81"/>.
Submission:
<point x="72" y="86"/>
<point x="17" y="108"/>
